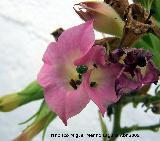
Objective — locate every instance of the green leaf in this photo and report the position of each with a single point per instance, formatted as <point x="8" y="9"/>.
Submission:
<point x="156" y="6"/>
<point x="152" y="43"/>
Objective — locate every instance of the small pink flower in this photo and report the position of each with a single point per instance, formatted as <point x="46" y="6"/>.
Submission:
<point x="64" y="92"/>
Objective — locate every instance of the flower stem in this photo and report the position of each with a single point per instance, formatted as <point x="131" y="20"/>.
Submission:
<point x="12" y="101"/>
<point x="103" y="127"/>
<point x="136" y="128"/>
<point x="42" y="119"/>
<point x="147" y="99"/>
<point x="116" y="121"/>
<point x="135" y="99"/>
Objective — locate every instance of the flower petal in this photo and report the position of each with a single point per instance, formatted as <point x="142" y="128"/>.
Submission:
<point x="72" y="43"/>
<point x="80" y="37"/>
<point x="44" y="77"/>
<point x="127" y="83"/>
<point x="66" y="103"/>
<point x="95" y="55"/>
<point x="59" y="69"/>
<point x="152" y="74"/>
<point x="103" y="94"/>
<point x="115" y="56"/>
<point x="48" y="55"/>
<point x="59" y="95"/>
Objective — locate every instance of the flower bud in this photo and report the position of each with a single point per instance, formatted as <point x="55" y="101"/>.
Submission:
<point x="10" y="102"/>
<point x="106" y="19"/>
<point x="43" y="118"/>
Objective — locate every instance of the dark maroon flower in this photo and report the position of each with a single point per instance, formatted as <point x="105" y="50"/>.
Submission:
<point x="115" y="56"/>
<point x="137" y="69"/>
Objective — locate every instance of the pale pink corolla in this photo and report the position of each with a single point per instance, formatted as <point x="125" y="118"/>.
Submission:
<point x="75" y="47"/>
<point x="58" y="70"/>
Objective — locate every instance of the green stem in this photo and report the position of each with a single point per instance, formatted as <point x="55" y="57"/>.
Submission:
<point x="137" y="128"/>
<point x="32" y="92"/>
<point x="103" y="127"/>
<point x="12" y="101"/>
<point x="147" y="99"/>
<point x="43" y="118"/>
<point x="117" y="114"/>
<point x="116" y="121"/>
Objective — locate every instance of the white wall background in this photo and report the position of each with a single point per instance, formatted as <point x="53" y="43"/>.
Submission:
<point x="25" y="28"/>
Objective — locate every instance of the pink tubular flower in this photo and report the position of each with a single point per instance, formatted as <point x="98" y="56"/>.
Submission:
<point x="72" y="67"/>
<point x="64" y="92"/>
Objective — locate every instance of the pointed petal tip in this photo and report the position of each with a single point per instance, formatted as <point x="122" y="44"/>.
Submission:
<point x="63" y="119"/>
<point x="65" y="122"/>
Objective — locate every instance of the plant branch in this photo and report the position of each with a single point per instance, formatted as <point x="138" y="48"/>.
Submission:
<point x="137" y="128"/>
<point x="116" y="121"/>
<point x="147" y="99"/>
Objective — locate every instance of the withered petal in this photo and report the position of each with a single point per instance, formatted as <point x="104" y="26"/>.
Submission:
<point x="125" y="85"/>
<point x="115" y="56"/>
<point x="152" y="74"/>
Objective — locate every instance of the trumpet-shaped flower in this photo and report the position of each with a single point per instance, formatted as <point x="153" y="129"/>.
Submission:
<point x="68" y="65"/>
<point x="61" y="79"/>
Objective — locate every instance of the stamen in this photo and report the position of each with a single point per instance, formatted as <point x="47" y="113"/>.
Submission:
<point x="78" y="82"/>
<point x="79" y="76"/>
<point x="82" y="69"/>
<point x="73" y="84"/>
<point x="93" y="84"/>
<point x="95" y="65"/>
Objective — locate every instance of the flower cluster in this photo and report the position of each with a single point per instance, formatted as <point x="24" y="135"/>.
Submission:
<point x="111" y="72"/>
<point x="76" y="70"/>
